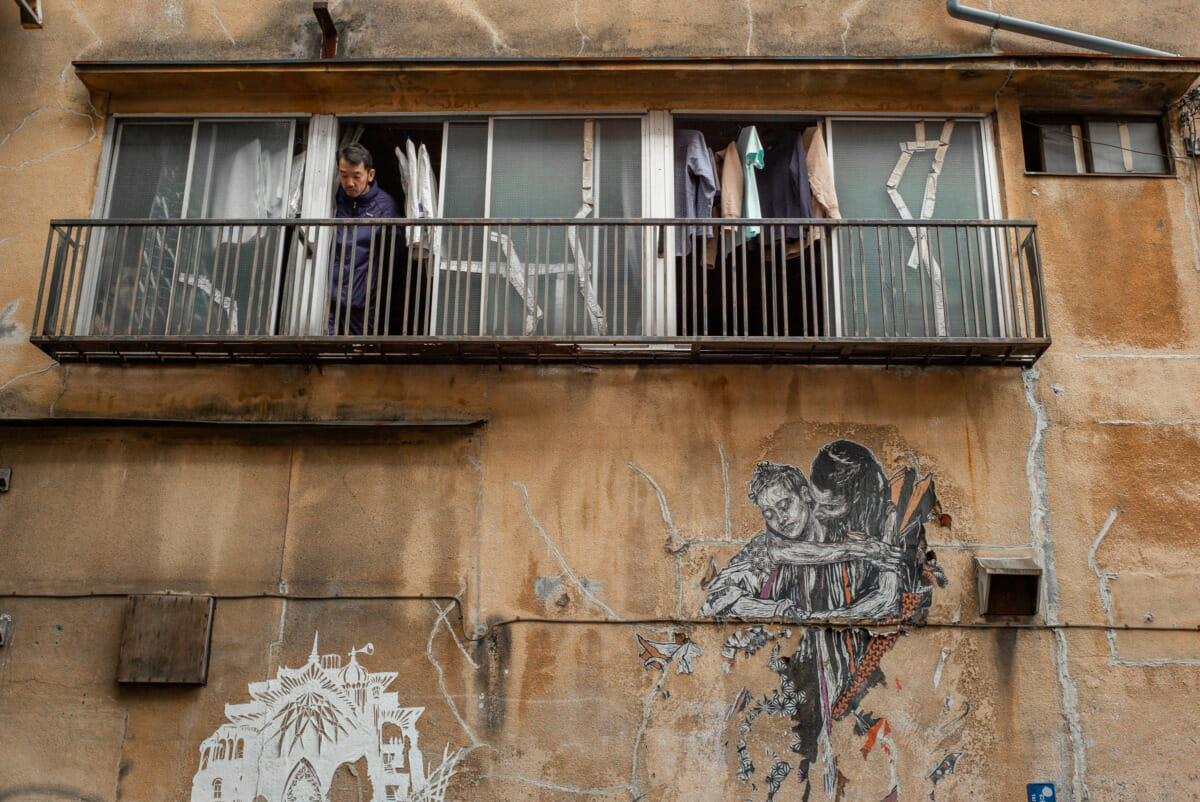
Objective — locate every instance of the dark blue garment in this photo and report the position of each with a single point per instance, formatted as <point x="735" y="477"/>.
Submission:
<point x="783" y="189"/>
<point x="362" y="257"/>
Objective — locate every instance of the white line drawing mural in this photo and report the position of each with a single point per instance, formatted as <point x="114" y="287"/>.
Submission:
<point x="287" y="743"/>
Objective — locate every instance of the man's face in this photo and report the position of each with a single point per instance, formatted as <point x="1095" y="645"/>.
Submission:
<point x="785" y="513"/>
<point x="355" y="178"/>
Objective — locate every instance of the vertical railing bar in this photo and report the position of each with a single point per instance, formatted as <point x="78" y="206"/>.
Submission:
<point x="391" y="234"/>
<point x="374" y="279"/>
<point x="986" y="275"/>
<point x="41" y="293"/>
<point x="887" y="286"/>
<point x="182" y="244"/>
<point x="147" y="327"/>
<point x="1025" y="301"/>
<point x="216" y="284"/>
<point x="971" y="233"/>
<point x="462" y="275"/>
<point x="116" y="294"/>
<point x="253" y="303"/>
<point x="922" y="274"/>
<point x="78" y="264"/>
<point x="763" y="251"/>
<point x="862" y="254"/>
<point x="962" y="290"/>
<point x="722" y="259"/>
<point x="137" y="282"/>
<point x="897" y="267"/>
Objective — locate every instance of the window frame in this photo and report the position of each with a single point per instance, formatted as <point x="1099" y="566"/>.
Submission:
<point x="1036" y="118"/>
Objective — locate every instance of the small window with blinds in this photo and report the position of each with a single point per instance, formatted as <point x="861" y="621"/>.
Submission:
<point x="1084" y="144"/>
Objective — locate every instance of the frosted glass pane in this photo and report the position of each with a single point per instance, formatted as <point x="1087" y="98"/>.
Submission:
<point x="1147" y="147"/>
<point x="1105" y="139"/>
<point x="463" y="253"/>
<point x="1058" y="143"/>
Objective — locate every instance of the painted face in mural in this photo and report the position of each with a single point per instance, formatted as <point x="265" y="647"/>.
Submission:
<point x="785" y="512"/>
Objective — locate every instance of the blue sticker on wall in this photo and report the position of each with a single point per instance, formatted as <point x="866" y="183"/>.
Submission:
<point x="1040" y="792"/>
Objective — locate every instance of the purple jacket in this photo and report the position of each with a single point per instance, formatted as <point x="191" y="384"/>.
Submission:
<point x="362" y="254"/>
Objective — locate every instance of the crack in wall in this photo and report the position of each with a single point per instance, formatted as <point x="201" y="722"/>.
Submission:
<point x="562" y="563"/>
<point x="278" y="643"/>
<point x="53" y="364"/>
<point x="583" y="37"/>
<point x="1043" y="544"/>
<point x="91" y="137"/>
<point x="750" y="23"/>
<point x="725" y="481"/>
<point x="66" y="376"/>
<point x="673" y="540"/>
<point x="1187" y="199"/>
<point x="96" y="41"/>
<point x="1105" y="579"/>
<point x="476" y="744"/>
<point x="498" y="43"/>
<point x="846" y="16"/>
<point x="217" y="16"/>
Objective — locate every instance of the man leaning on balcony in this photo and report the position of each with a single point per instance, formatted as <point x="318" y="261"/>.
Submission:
<point x="358" y="285"/>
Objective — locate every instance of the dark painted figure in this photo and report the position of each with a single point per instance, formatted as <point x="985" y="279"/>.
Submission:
<point x="848" y="543"/>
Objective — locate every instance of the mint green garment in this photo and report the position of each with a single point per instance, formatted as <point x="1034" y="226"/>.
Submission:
<point x="750" y="149"/>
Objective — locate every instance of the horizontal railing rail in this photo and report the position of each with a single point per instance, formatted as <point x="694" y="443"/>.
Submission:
<point x="823" y="290"/>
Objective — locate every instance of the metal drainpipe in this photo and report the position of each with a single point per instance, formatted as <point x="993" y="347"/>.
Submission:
<point x="957" y="10"/>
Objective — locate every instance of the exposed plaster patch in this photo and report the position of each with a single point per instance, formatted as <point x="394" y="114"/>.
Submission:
<point x="1043" y="544"/>
<point x="750" y="24"/>
<point x="53" y="364"/>
<point x="217" y="16"/>
<point x="583" y="37"/>
<point x="566" y="569"/>
<point x="846" y="16"/>
<point x="937" y="674"/>
<point x="92" y="136"/>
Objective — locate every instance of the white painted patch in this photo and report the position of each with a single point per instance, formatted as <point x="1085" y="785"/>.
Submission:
<point x="289" y="740"/>
<point x="937" y="675"/>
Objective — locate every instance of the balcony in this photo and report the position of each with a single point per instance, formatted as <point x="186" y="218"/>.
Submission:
<point x="454" y="290"/>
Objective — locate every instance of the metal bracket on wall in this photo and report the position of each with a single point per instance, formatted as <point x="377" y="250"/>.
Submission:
<point x="5" y="479"/>
<point x="5" y="626"/>
<point x="31" y="13"/>
<point x="328" y="30"/>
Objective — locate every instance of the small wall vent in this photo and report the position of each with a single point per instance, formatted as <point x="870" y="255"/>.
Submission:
<point x="1008" y="585"/>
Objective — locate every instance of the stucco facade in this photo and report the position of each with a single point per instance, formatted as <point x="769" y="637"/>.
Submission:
<point x="528" y="547"/>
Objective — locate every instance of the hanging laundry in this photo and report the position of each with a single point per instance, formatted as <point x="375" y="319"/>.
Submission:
<point x="820" y="176"/>
<point x="420" y="193"/>
<point x="732" y="181"/>
<point x="750" y="155"/>
<point x="695" y="185"/>
<point x="783" y="183"/>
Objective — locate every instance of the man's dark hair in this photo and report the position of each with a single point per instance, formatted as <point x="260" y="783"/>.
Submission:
<point x="357" y="154"/>
<point x="771" y="473"/>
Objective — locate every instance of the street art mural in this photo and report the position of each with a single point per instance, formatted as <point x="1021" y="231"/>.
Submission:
<point x="304" y="725"/>
<point x="843" y="548"/>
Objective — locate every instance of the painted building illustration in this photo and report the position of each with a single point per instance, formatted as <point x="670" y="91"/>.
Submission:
<point x="305" y="723"/>
<point x="646" y="401"/>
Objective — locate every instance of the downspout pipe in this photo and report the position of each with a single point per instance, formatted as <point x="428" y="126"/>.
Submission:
<point x="957" y="10"/>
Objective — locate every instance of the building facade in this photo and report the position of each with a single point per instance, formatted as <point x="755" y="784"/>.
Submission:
<point x="754" y="401"/>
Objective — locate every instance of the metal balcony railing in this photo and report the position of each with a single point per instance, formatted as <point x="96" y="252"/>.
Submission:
<point x="868" y="291"/>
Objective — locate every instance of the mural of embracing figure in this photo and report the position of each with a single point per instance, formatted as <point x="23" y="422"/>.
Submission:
<point x="845" y="545"/>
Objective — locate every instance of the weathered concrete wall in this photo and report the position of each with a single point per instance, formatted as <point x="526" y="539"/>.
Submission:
<point x="575" y="508"/>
